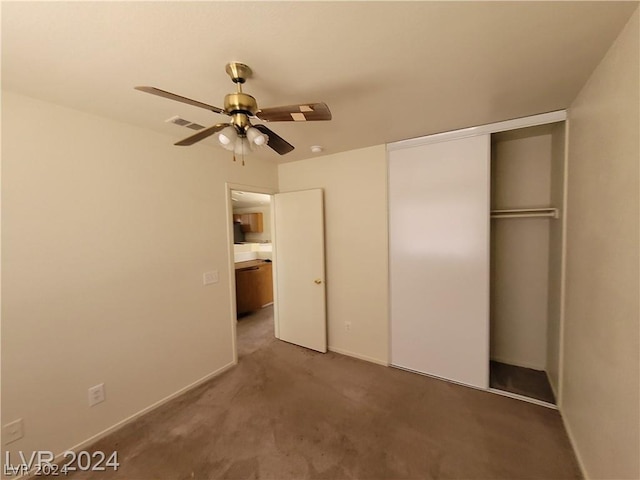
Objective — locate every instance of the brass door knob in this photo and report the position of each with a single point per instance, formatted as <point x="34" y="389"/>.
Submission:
<point x="317" y="281"/>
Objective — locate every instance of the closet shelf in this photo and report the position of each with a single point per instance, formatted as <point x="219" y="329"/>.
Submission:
<point x="526" y="213"/>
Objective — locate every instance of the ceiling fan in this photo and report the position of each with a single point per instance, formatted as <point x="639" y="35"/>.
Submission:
<point x="239" y="135"/>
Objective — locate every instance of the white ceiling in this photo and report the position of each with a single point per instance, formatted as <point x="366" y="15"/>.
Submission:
<point x="388" y="70"/>
<point x="249" y="199"/>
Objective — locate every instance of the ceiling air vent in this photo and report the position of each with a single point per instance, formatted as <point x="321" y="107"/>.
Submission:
<point x="184" y="123"/>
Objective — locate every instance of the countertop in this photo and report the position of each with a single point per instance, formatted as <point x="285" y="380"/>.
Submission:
<point x="250" y="264"/>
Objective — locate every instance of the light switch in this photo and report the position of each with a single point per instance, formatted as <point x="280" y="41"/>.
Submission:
<point x="210" y="277"/>
<point x="12" y="431"/>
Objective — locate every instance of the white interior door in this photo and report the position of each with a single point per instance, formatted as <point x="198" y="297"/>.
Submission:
<point x="439" y="259"/>
<point x="299" y="264"/>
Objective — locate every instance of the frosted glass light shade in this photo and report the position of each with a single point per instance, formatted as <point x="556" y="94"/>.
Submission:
<point x="256" y="137"/>
<point x="227" y="137"/>
<point x="242" y="146"/>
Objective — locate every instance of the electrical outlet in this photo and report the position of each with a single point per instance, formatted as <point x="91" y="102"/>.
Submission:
<point x="96" y="394"/>
<point x="210" y="277"/>
<point x="347" y="326"/>
<point x="12" y="431"/>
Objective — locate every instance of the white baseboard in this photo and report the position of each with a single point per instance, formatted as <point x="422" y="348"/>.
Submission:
<point x="358" y="356"/>
<point x="574" y="445"/>
<point x="553" y="388"/>
<point x="524" y="398"/>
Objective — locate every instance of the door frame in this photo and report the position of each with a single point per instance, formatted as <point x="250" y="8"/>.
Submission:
<point x="229" y="187"/>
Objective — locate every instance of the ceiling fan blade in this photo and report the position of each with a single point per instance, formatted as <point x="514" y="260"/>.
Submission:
<point x="304" y="112"/>
<point x="275" y="141"/>
<point x="180" y="98"/>
<point x="202" y="134"/>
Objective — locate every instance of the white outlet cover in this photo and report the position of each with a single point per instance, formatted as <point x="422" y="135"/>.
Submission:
<point x="210" y="277"/>
<point x="96" y="394"/>
<point x="12" y="431"/>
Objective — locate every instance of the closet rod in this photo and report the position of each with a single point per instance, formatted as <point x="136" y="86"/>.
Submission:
<point x="526" y="213"/>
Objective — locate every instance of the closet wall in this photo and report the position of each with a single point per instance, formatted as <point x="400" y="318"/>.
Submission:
<point x="527" y="171"/>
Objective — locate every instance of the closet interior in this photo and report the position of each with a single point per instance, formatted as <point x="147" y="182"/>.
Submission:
<point x="526" y="247"/>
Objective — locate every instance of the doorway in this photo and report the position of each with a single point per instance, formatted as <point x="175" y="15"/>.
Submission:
<point x="252" y="250"/>
<point x="298" y="297"/>
<point x="252" y="277"/>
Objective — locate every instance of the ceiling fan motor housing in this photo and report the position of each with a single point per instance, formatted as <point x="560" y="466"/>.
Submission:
<point x="240" y="102"/>
<point x="240" y="106"/>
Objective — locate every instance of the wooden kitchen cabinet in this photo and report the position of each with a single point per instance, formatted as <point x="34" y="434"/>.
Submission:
<point x="254" y="285"/>
<point x="251" y="222"/>
<point x="266" y="284"/>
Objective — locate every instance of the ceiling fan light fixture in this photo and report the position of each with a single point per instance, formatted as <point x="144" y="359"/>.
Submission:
<point x="242" y="146"/>
<point x="256" y="137"/>
<point x="239" y="136"/>
<point x="227" y="136"/>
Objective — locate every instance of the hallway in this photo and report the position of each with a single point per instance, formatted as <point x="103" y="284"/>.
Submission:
<point x="254" y="331"/>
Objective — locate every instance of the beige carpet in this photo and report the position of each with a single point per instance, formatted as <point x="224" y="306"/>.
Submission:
<point x="288" y="413"/>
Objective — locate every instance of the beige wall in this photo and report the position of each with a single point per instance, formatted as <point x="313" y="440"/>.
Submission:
<point x="601" y="361"/>
<point x="355" y="186"/>
<point x="107" y="230"/>
<point x="520" y="178"/>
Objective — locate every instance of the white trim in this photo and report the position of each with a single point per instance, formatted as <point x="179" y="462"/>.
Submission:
<point x="487" y="280"/>
<point x="399" y="367"/>
<point x="387" y="355"/>
<point x="563" y="265"/>
<point x="274" y="268"/>
<point x="250" y="188"/>
<point x="553" y="388"/>
<point x="389" y="286"/>
<point x="535" y="401"/>
<point x="574" y="445"/>
<point x="98" y="436"/>
<point x="515" y="396"/>
<point x="540" y="119"/>
<point x="546" y="212"/>
<point x="358" y="356"/>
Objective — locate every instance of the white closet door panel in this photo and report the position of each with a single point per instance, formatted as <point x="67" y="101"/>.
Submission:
<point x="439" y="259"/>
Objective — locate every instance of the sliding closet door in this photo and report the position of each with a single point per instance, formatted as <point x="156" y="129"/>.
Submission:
<point x="439" y="258"/>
